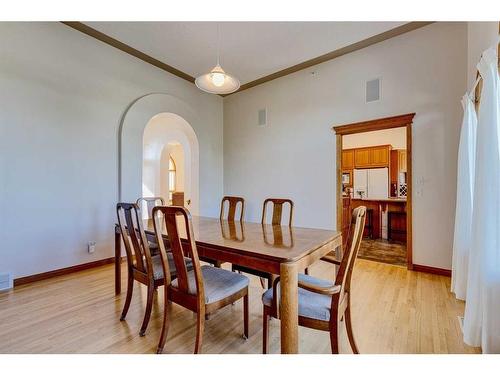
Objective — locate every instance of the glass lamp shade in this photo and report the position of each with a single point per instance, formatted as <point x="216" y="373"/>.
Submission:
<point x="217" y="82"/>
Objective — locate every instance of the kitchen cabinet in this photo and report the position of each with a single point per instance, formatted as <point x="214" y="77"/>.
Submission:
<point x="402" y="161"/>
<point x="379" y="156"/>
<point x="347" y="159"/>
<point x="367" y="157"/>
<point x="362" y="158"/>
<point x="397" y="167"/>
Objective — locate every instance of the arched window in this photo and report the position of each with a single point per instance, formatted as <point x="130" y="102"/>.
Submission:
<point x="171" y="178"/>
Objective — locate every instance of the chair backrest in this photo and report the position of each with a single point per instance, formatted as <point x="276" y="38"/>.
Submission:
<point x="277" y="210"/>
<point x="351" y="251"/>
<point x="134" y="237"/>
<point x="147" y="204"/>
<point x="180" y="248"/>
<point x="232" y="206"/>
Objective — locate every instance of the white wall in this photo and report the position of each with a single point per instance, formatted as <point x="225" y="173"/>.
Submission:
<point x="481" y="36"/>
<point x="395" y="137"/>
<point x="424" y="71"/>
<point x="62" y="95"/>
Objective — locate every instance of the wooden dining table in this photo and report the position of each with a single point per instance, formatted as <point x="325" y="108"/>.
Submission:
<point x="276" y="249"/>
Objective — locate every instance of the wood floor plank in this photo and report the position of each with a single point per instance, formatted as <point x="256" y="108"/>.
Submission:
<point x="394" y="311"/>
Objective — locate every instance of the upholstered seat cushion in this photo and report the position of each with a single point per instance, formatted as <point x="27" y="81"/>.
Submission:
<point x="158" y="269"/>
<point x="218" y="283"/>
<point x="153" y="248"/>
<point x="311" y="305"/>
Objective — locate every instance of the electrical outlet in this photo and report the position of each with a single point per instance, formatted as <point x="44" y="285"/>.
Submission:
<point x="91" y="247"/>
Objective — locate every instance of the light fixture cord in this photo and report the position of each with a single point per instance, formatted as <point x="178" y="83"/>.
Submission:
<point x="218" y="44"/>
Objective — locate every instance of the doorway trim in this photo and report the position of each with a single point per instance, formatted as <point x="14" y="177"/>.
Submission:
<point x="405" y="120"/>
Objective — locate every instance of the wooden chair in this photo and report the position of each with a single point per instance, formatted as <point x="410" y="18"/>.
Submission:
<point x="142" y="267"/>
<point x="277" y="210"/>
<point x="323" y="304"/>
<point x="150" y="203"/>
<point x="277" y="216"/>
<point x="232" y="207"/>
<point x="202" y="290"/>
<point x="146" y="204"/>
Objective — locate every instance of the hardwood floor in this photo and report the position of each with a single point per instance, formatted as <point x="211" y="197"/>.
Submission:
<point x="384" y="251"/>
<point x="394" y="311"/>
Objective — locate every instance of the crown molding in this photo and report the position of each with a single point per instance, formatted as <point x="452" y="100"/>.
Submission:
<point x="410" y="26"/>
<point x="127" y="49"/>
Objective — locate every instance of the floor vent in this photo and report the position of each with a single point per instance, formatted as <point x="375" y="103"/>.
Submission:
<point x="5" y="281"/>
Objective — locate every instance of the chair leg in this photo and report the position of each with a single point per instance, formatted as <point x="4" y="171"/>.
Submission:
<point x="130" y="289"/>
<point x="200" y="326"/>
<point x="147" y="313"/>
<point x="165" y="325"/>
<point x="245" y="316"/>
<point x="350" y="334"/>
<point x="265" y="331"/>
<point x="334" y="337"/>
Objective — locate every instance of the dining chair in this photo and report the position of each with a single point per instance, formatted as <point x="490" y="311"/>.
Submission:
<point x="204" y="289"/>
<point x="232" y="205"/>
<point x="323" y="304"/>
<point x="146" y="204"/>
<point x="277" y="215"/>
<point x="149" y="203"/>
<point x="141" y="265"/>
<point x="276" y="219"/>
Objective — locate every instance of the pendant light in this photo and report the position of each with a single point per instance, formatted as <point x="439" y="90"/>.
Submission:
<point x="217" y="81"/>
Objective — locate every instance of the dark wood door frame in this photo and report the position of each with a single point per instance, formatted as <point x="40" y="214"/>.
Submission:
<point x="373" y="125"/>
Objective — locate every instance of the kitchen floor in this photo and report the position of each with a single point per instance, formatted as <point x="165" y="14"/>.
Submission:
<point x="383" y="251"/>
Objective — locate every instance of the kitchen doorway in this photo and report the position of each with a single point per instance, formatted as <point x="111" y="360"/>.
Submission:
<point x="374" y="170"/>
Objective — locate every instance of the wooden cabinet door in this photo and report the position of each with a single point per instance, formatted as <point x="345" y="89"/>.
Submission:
<point x="347" y="159"/>
<point x="362" y="158"/>
<point x="402" y="161"/>
<point x="379" y="156"/>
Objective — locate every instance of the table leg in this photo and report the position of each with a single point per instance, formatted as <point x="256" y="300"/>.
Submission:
<point x="289" y="310"/>
<point x="118" y="261"/>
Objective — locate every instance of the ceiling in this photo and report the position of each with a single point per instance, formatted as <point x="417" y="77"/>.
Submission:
<point x="249" y="50"/>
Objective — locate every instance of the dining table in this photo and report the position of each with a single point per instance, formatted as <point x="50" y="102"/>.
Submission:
<point x="276" y="249"/>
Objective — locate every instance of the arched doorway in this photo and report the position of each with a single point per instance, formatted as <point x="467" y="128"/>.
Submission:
<point x="170" y="120"/>
<point x="170" y="160"/>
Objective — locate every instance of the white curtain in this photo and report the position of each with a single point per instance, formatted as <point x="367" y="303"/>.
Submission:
<point x="465" y="189"/>
<point x="482" y="309"/>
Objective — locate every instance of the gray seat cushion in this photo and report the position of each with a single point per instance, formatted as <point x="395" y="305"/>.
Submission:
<point x="311" y="305"/>
<point x="158" y="269"/>
<point x="218" y="283"/>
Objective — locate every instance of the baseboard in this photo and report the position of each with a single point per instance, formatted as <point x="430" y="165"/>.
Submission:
<point x="62" y="271"/>
<point x="433" y="270"/>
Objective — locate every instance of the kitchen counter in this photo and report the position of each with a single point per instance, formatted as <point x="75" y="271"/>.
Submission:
<point x="380" y="208"/>
<point x="390" y="200"/>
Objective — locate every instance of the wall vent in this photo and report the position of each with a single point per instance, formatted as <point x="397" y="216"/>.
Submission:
<point x="373" y="90"/>
<point x="262" y="117"/>
<point x="5" y="281"/>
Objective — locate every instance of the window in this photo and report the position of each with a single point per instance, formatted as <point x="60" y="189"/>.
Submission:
<point x="171" y="178"/>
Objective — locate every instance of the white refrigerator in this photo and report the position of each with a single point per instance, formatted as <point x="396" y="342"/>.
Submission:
<point x="371" y="183"/>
